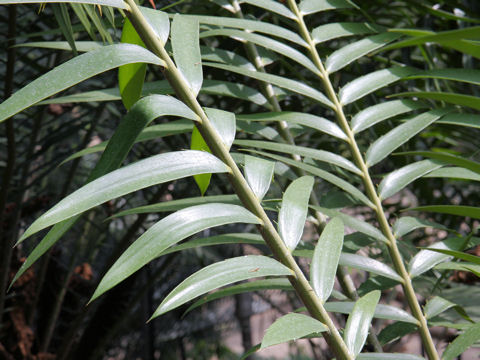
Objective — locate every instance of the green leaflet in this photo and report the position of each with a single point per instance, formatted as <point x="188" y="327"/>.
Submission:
<point x="436" y="305"/>
<point x="272" y="6"/>
<point x="292" y="85"/>
<point x="351" y="52"/>
<point x="377" y="113"/>
<point x="458" y="254"/>
<point x="175" y="205"/>
<point x="259" y="174"/>
<point x="332" y="31"/>
<point x="400" y="178"/>
<point x="425" y="259"/>
<point x="167" y="232"/>
<point x="143" y="173"/>
<point x="381" y="311"/>
<point x="114" y="3"/>
<point x="369" y="83"/>
<point x="267" y="43"/>
<point x="74" y="71"/>
<point x="406" y="224"/>
<point x="449" y="159"/>
<point x="470" y="120"/>
<point x="383" y="146"/>
<point x="221" y="274"/>
<point x="459" y="210"/>
<point x="334" y="180"/>
<point x="471" y="76"/>
<point x="257" y="285"/>
<point x="60" y="12"/>
<point x="304" y="119"/>
<point x="308" y="7"/>
<point x="291" y="327"/>
<point x="325" y="259"/>
<point x="224" y="124"/>
<point x="353" y="222"/>
<point x="358" y="322"/>
<point x="462" y="342"/>
<point x="388" y="356"/>
<point x="186" y="50"/>
<point x="451" y="98"/>
<point x="320" y="155"/>
<point x="253" y="25"/>
<point x="293" y="213"/>
<point x="140" y="115"/>
<point x="370" y="265"/>
<point x="131" y="76"/>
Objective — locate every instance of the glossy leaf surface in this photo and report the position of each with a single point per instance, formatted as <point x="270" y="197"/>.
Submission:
<point x="221" y="274"/>
<point x="358" y="322"/>
<point x="259" y="174"/>
<point x="167" y="232"/>
<point x="186" y="50"/>
<point x="144" y="173"/>
<point x="74" y="71"/>
<point x="325" y="259"/>
<point x="293" y="213"/>
<point x="291" y="327"/>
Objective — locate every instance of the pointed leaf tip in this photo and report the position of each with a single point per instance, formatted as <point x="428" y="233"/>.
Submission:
<point x="293" y="213"/>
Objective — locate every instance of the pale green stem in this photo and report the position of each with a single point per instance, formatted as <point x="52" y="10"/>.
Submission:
<point x="370" y="189"/>
<point x="248" y="198"/>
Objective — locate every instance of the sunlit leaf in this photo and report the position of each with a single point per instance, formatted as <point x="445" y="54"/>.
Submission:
<point x="74" y="71"/>
<point x="221" y="274"/>
<point x="371" y="265"/>
<point x="308" y="7"/>
<point x="400" y="178"/>
<point x="167" y="232"/>
<point x="358" y="323"/>
<point x="325" y="259"/>
<point x="258" y="173"/>
<point x="331" y="31"/>
<point x="293" y="213"/>
<point x="382" y="147"/>
<point x="186" y="50"/>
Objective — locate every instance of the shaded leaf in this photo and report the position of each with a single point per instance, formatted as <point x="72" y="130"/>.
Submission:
<point x="291" y="327"/>
<point x="74" y="71"/>
<point x="458" y="255"/>
<point x="462" y="342"/>
<point x="388" y="356"/>
<point x="131" y="76"/>
<point x="293" y="213"/>
<point x="167" y="232"/>
<point x="272" y="6"/>
<point x="256" y="285"/>
<point x="114" y="3"/>
<point x="396" y="331"/>
<point x="383" y="146"/>
<point x="451" y="98"/>
<point x="358" y="323"/>
<point x="470" y="120"/>
<point x="448" y="158"/>
<point x="455" y="173"/>
<point x="436" y="305"/>
<point x="175" y="205"/>
<point x="198" y="143"/>
<point x="459" y="210"/>
<point x="258" y="173"/>
<point x="325" y="259"/>
<point x="221" y="274"/>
